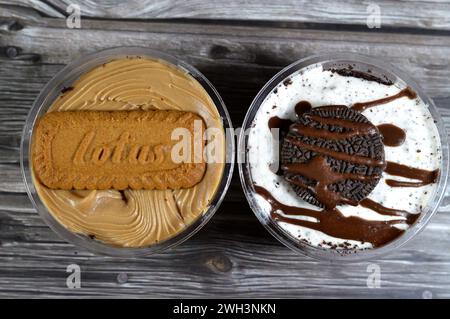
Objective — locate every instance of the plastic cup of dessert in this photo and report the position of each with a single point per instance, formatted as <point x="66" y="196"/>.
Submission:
<point x="367" y="65"/>
<point x="64" y="79"/>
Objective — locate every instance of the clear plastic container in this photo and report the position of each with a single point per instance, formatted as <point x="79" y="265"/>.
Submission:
<point x="65" y="78"/>
<point x="361" y="63"/>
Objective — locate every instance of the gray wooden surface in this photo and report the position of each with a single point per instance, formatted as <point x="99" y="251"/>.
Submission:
<point x="238" y="45"/>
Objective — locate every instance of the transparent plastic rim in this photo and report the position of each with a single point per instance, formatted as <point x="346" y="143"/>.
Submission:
<point x="65" y="78"/>
<point x="330" y="255"/>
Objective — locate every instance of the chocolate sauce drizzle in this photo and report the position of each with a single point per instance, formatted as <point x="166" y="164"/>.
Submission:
<point x="302" y="107"/>
<point x="406" y="92"/>
<point x="392" y="135"/>
<point x="339" y="155"/>
<point x="382" y="210"/>
<point x="276" y="122"/>
<point x="354" y="128"/>
<point x="330" y="220"/>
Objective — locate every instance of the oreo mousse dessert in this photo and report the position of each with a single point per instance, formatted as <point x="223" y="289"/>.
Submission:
<point x="341" y="159"/>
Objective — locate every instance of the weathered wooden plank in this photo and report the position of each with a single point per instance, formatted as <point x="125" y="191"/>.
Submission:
<point x="409" y="14"/>
<point x="247" y="262"/>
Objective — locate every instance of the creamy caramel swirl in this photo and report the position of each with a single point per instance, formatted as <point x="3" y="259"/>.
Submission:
<point x="136" y="218"/>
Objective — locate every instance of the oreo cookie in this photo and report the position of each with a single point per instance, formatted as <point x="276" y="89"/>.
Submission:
<point x="332" y="155"/>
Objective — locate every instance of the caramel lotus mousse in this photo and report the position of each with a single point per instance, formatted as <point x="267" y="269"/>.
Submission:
<point x="103" y="155"/>
<point x="353" y="163"/>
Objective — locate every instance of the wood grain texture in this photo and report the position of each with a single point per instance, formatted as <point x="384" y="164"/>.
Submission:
<point x="407" y="14"/>
<point x="233" y="256"/>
